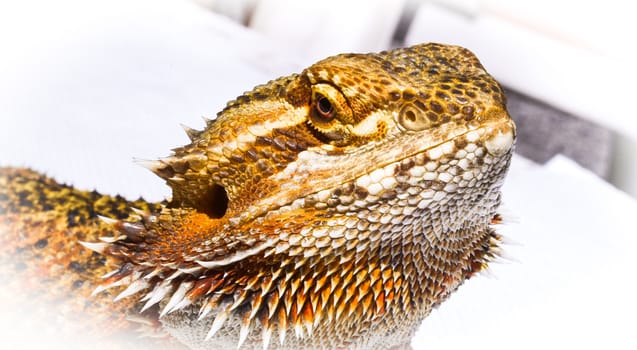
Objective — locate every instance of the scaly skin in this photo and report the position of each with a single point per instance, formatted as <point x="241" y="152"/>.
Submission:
<point x="332" y="209"/>
<point x="45" y="272"/>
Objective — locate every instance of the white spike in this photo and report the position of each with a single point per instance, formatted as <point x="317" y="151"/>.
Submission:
<point x="109" y="274"/>
<point x="505" y="240"/>
<point x="205" y="310"/>
<point x="308" y="327"/>
<point x="140" y="212"/>
<point x="282" y="334"/>
<point x="151" y="165"/>
<point x="132" y="228"/>
<point x="149" y="295"/>
<point x="98" y="290"/>
<point x="191" y="270"/>
<point x="182" y="304"/>
<point x="253" y="312"/>
<point x="217" y="324"/>
<point x="177" y="297"/>
<point x="107" y="220"/>
<point x="177" y="179"/>
<point x="507" y="215"/>
<point x="132" y="289"/>
<point x="175" y="274"/>
<point x="266" y="336"/>
<point x="488" y="273"/>
<point x="298" y="331"/>
<point x="192" y="133"/>
<point x="157" y="295"/>
<point x="96" y="247"/>
<point x="170" y="265"/>
<point x="237" y="256"/>
<point x="503" y="257"/>
<point x="208" y="121"/>
<point x="239" y="299"/>
<point x="269" y="252"/>
<point x="154" y="273"/>
<point x="111" y="239"/>
<point x="117" y="283"/>
<point x="243" y="334"/>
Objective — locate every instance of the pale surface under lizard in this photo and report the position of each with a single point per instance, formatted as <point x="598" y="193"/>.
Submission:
<point x="329" y="209"/>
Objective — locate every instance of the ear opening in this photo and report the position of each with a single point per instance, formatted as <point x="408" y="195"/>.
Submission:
<point x="215" y="202"/>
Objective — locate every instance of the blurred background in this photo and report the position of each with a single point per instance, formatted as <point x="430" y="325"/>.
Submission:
<point x="85" y="86"/>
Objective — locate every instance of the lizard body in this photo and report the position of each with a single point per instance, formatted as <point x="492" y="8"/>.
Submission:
<point x="330" y="209"/>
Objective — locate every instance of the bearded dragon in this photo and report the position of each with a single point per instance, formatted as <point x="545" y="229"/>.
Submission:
<point x="330" y="209"/>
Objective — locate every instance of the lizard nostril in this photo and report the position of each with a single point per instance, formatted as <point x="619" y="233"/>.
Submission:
<point x="215" y="202"/>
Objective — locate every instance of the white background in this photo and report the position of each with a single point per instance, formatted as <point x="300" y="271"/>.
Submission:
<point x="86" y="86"/>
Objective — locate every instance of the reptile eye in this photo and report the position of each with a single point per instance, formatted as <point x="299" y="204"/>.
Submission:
<point x="329" y="113"/>
<point x="324" y="107"/>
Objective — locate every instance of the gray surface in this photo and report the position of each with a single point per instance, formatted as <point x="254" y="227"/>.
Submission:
<point x="544" y="131"/>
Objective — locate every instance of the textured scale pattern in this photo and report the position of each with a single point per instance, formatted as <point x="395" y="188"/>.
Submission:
<point x="331" y="209"/>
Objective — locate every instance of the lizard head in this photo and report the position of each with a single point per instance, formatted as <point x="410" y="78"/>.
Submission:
<point x="346" y="164"/>
<point x="339" y="119"/>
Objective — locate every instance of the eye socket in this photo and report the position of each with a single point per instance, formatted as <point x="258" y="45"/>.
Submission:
<point x="329" y="114"/>
<point x="324" y="107"/>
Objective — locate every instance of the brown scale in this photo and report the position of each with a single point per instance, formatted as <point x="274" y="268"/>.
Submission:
<point x="279" y="232"/>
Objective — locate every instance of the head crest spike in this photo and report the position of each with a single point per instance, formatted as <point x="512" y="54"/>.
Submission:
<point x="156" y="166"/>
<point x="208" y="121"/>
<point x="192" y="133"/>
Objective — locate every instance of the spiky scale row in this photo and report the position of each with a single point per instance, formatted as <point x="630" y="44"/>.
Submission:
<point x="300" y="304"/>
